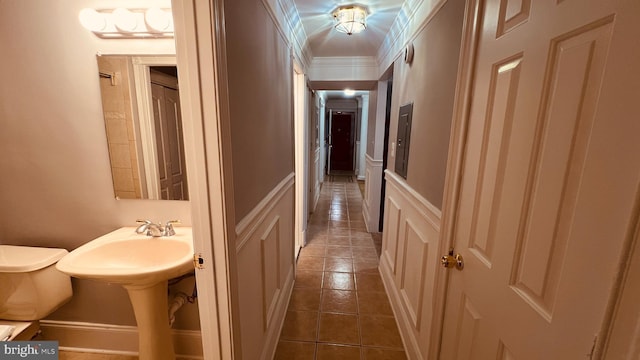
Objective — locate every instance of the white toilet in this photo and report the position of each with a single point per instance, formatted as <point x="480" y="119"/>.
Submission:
<point x="30" y="285"/>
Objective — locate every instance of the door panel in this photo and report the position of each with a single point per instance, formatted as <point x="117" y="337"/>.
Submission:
<point x="577" y="62"/>
<point x="342" y="141"/>
<point x="162" y="140"/>
<point x="170" y="150"/>
<point x="176" y="148"/>
<point x="550" y="174"/>
<point x="503" y="87"/>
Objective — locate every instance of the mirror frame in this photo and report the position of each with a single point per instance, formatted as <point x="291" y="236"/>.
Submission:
<point x="142" y="83"/>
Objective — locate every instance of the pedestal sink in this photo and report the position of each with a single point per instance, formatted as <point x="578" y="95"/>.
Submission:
<point x="142" y="265"/>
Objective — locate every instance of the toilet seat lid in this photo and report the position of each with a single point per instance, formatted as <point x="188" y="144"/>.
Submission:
<point x="15" y="259"/>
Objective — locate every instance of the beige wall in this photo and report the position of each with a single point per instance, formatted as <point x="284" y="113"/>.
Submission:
<point x="260" y="75"/>
<point x="56" y="188"/>
<point x="410" y="258"/>
<point x="429" y="82"/>
<point x="260" y="83"/>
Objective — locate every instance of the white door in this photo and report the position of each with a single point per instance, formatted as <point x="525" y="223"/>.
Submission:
<point x="169" y="147"/>
<point x="549" y="179"/>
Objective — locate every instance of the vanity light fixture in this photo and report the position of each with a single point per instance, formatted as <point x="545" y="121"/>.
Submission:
<point x="124" y="23"/>
<point x="350" y="19"/>
<point x="349" y="92"/>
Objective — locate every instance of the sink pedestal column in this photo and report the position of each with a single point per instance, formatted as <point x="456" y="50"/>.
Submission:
<point x="150" y="306"/>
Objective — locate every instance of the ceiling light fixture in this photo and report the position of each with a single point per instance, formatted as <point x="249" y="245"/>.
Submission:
<point x="350" y="19"/>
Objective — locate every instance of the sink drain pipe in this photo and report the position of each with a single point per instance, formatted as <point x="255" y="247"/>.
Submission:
<point x="178" y="301"/>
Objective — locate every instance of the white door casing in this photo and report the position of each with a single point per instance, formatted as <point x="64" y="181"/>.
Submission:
<point x="549" y="178"/>
<point x="145" y="113"/>
<point x="301" y="145"/>
<point x="202" y="76"/>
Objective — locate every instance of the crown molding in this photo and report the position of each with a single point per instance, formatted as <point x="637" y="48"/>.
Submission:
<point x="411" y="20"/>
<point x="286" y="18"/>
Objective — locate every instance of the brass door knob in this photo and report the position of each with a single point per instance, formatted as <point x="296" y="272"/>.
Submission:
<point x="450" y="261"/>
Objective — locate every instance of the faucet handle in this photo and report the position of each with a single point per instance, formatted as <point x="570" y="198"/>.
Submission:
<point x="168" y="228"/>
<point x="144" y="225"/>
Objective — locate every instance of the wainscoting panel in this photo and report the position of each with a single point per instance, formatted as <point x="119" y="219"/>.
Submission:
<point x="372" y="187"/>
<point x="264" y="248"/>
<point x="410" y="262"/>
<point x="416" y="251"/>
<point x="270" y="259"/>
<point x="390" y="234"/>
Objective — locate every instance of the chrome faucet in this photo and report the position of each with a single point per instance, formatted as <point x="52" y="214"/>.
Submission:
<point x="156" y="230"/>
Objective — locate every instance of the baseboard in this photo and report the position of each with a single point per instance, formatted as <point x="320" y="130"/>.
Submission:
<point x="113" y="339"/>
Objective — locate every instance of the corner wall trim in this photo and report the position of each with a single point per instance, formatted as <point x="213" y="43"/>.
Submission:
<point x="114" y="339"/>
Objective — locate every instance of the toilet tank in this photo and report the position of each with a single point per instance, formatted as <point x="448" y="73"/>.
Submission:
<point x="30" y="285"/>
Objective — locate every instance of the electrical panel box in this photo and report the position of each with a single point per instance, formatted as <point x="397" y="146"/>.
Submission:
<point x="403" y="140"/>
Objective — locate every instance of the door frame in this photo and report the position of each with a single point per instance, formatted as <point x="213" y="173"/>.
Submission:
<point x="301" y="155"/>
<point x="200" y="49"/>
<point x="327" y="136"/>
<point x="142" y="83"/>
<point x="620" y="336"/>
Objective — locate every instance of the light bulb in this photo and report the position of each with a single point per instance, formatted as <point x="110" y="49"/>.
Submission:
<point x="159" y="20"/>
<point x="93" y="20"/>
<point x="125" y="20"/>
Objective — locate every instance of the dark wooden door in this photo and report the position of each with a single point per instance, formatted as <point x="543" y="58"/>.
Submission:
<point x="342" y="138"/>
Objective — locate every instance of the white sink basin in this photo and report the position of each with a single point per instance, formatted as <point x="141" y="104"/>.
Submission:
<point x="129" y="259"/>
<point x="142" y="265"/>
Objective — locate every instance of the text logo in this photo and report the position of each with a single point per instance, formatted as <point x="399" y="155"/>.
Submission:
<point x="30" y="350"/>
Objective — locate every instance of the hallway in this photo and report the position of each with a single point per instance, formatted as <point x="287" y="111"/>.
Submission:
<point x="339" y="308"/>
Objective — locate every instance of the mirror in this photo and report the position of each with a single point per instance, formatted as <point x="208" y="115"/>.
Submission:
<point x="141" y="106"/>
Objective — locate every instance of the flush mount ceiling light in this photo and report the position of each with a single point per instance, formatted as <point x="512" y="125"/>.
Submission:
<point x="124" y="23"/>
<point x="350" y="19"/>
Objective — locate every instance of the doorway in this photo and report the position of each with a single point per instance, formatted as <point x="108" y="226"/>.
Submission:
<point x="341" y="141"/>
<point x="385" y="151"/>
<point x="165" y="102"/>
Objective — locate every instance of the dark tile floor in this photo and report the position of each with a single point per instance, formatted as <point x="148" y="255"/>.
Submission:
<point x="339" y="308"/>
